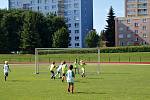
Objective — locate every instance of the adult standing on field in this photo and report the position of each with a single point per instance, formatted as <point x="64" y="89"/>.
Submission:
<point x="6" y="70"/>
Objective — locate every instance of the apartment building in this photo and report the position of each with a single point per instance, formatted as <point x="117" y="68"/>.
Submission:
<point x="78" y="15"/>
<point x="134" y="28"/>
<point x="134" y="8"/>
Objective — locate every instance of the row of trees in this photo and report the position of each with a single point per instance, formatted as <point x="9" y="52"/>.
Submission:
<point x="106" y="37"/>
<point x="25" y="30"/>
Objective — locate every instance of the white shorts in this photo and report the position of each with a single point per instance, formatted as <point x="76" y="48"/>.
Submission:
<point x="83" y="70"/>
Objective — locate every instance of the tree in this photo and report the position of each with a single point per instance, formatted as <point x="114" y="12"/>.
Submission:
<point x="54" y="23"/>
<point x="110" y="28"/>
<point x="102" y="39"/>
<point x="92" y="39"/>
<point x="10" y="27"/>
<point x="61" y="38"/>
<point x="30" y="37"/>
<point x="2" y="38"/>
<point x="26" y="30"/>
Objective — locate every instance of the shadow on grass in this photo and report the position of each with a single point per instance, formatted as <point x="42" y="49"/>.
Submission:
<point x="95" y="78"/>
<point x="116" y="73"/>
<point x="81" y="82"/>
<point x="18" y="81"/>
<point x="90" y="93"/>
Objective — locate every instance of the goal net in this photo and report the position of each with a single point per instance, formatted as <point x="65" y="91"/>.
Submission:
<point x="45" y="56"/>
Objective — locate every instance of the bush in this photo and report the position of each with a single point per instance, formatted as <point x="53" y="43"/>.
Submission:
<point x="102" y="50"/>
<point x="125" y="49"/>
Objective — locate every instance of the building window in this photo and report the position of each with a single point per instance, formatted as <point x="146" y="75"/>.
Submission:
<point x="70" y="38"/>
<point x="69" y="25"/>
<point x="26" y="6"/>
<point x="76" y="18"/>
<point x="145" y="35"/>
<point x="76" y="25"/>
<point x="46" y="8"/>
<point x="76" y="5"/>
<point x="128" y="35"/>
<point x="70" y="44"/>
<point x="76" y="31"/>
<point x="53" y="1"/>
<point x="136" y="31"/>
<point x="121" y="36"/>
<point x="121" y="43"/>
<point x="136" y="39"/>
<point x="144" y="20"/>
<point x="128" y="21"/>
<point x="38" y="8"/>
<point x="39" y="1"/>
<point x="128" y="28"/>
<point x="53" y="6"/>
<point x="69" y="31"/>
<point x="120" y="29"/>
<point x="136" y="24"/>
<point x="77" y="38"/>
<point x="144" y="28"/>
<point x="76" y="12"/>
<point x="46" y="1"/>
<point x="77" y="44"/>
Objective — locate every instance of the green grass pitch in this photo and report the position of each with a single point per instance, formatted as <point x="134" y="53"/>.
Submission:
<point x="116" y="82"/>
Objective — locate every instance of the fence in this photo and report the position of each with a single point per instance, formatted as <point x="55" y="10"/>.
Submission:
<point x="104" y="57"/>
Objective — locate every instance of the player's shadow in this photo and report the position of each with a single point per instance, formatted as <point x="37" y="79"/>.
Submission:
<point x="80" y="81"/>
<point x="19" y="81"/>
<point x="95" y="78"/>
<point x="90" y="92"/>
<point x="117" y="73"/>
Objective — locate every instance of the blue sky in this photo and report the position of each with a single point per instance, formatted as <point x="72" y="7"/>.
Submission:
<point x="101" y="8"/>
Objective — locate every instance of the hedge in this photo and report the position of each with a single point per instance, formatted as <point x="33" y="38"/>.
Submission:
<point x="102" y="50"/>
<point x="125" y="49"/>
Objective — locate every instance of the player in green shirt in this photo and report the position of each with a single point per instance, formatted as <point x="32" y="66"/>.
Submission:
<point x="76" y="67"/>
<point x="64" y="71"/>
<point x="83" y="65"/>
<point x="52" y="67"/>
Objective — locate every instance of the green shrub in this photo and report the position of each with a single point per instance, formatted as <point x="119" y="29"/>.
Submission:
<point x="125" y="49"/>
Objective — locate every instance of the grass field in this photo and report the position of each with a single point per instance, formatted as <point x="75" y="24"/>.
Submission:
<point x="116" y="82"/>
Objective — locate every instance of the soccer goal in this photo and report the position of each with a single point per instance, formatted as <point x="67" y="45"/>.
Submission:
<point x="45" y="56"/>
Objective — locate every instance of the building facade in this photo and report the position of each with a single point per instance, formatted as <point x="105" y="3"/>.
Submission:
<point x="78" y="15"/>
<point x="134" y="28"/>
<point x="134" y="8"/>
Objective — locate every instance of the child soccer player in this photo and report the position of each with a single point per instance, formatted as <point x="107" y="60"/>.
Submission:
<point x="70" y="79"/>
<point x="76" y="66"/>
<point x="52" y="67"/>
<point x="82" y="64"/>
<point x="59" y="69"/>
<point x="6" y="69"/>
<point x="64" y="70"/>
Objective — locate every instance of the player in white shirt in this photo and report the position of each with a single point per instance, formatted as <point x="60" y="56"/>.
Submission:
<point x="70" y="78"/>
<point x="6" y="69"/>
<point x="59" y="70"/>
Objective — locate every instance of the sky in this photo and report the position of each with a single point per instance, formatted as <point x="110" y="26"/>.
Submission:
<point x="100" y="11"/>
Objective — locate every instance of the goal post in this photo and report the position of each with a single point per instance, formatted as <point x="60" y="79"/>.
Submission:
<point x="44" y="56"/>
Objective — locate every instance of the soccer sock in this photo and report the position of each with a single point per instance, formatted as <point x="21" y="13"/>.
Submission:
<point x="72" y="89"/>
<point x="68" y="89"/>
<point x="63" y="79"/>
<point x="5" y="78"/>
